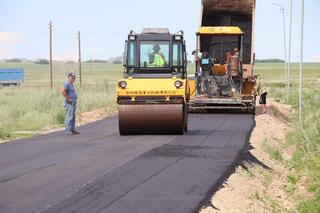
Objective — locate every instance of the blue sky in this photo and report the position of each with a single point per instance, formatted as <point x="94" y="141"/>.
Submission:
<point x="104" y="25"/>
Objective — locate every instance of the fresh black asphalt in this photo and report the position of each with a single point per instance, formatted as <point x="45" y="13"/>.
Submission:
<point x="101" y="171"/>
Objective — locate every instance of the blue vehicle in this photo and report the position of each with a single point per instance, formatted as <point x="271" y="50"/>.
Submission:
<point x="11" y="76"/>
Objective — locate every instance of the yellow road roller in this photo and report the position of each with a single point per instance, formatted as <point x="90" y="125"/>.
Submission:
<point x="152" y="95"/>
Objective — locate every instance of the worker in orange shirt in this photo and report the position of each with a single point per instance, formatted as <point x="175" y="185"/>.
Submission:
<point x="228" y="61"/>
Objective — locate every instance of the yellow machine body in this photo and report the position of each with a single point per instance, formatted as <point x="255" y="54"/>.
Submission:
<point x="220" y="30"/>
<point x="162" y="88"/>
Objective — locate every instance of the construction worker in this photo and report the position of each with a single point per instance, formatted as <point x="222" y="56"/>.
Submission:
<point x="156" y="59"/>
<point x="235" y="70"/>
<point x="69" y="92"/>
<point x="228" y="61"/>
<point x="235" y="62"/>
<point x="259" y="88"/>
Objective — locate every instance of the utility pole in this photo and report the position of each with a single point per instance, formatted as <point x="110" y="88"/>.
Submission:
<point x="50" y="53"/>
<point x="301" y="60"/>
<point x="285" y="42"/>
<point x="79" y="61"/>
<point x="285" y="45"/>
<point x="289" y="55"/>
<point x="90" y="64"/>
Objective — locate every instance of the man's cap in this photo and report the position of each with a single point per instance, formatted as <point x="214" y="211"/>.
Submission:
<point x="71" y="74"/>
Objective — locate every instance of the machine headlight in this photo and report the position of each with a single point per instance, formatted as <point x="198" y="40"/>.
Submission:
<point x="177" y="37"/>
<point x="122" y="84"/>
<point x="178" y="84"/>
<point x="132" y="37"/>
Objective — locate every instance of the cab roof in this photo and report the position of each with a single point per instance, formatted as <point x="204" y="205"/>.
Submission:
<point x="221" y="30"/>
<point x="155" y="31"/>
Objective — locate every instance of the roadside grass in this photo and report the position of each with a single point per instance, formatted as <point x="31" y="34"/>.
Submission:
<point x="306" y="138"/>
<point x="306" y="134"/>
<point x="292" y="180"/>
<point x="273" y="152"/>
<point x="33" y="105"/>
<point x="270" y="202"/>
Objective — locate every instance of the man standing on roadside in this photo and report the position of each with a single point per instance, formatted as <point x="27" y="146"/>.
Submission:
<point x="70" y="102"/>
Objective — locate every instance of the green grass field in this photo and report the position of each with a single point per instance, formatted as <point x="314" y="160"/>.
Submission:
<point x="273" y="76"/>
<point x="33" y="105"/>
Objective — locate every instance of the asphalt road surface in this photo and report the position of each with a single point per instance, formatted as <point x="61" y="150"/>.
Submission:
<point x="101" y="171"/>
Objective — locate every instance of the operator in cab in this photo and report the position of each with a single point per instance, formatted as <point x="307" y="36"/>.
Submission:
<point x="157" y="59"/>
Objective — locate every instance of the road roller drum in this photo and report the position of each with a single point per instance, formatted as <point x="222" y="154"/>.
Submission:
<point x="151" y="119"/>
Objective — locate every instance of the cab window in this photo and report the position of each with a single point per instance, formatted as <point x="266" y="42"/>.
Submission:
<point x="132" y="54"/>
<point x="177" y="55"/>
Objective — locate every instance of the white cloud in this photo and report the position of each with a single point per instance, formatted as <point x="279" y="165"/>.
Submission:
<point x="10" y="38"/>
<point x="4" y="53"/>
<point x="316" y="58"/>
<point x="7" y="41"/>
<point x="66" y="55"/>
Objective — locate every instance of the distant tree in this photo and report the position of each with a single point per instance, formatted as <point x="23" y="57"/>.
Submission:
<point x="14" y="60"/>
<point x="70" y="62"/>
<point x="117" y="62"/>
<point x="271" y="60"/>
<point x="41" y="61"/>
<point x="97" y="61"/>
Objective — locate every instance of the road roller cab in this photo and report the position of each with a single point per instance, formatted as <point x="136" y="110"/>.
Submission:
<point x="152" y="95"/>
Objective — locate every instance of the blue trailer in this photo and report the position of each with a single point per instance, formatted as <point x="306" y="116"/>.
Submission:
<point x="11" y="76"/>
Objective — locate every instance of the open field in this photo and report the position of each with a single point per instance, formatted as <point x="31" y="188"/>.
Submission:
<point x="34" y="106"/>
<point x="273" y="76"/>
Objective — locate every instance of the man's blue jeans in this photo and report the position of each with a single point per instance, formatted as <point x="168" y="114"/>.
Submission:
<point x="70" y="119"/>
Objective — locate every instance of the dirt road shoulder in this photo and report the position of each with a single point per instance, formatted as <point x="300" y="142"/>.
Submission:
<point x="264" y="181"/>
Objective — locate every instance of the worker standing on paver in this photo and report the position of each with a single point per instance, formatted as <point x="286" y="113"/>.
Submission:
<point x="235" y="70"/>
<point x="69" y="92"/>
<point x="259" y="88"/>
<point x="228" y="61"/>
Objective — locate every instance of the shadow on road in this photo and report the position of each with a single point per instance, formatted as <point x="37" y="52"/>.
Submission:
<point x="248" y="158"/>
